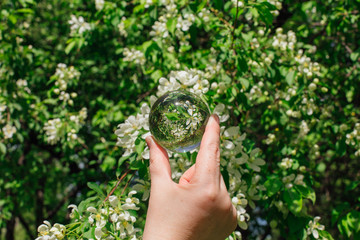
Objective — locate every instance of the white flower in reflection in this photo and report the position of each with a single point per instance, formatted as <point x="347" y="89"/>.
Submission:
<point x="314" y="226"/>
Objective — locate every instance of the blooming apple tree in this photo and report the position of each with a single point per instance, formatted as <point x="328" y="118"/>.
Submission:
<point x="78" y="79"/>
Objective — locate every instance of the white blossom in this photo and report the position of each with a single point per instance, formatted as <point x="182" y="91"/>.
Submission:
<point x="99" y="4"/>
<point x="286" y="163"/>
<point x="48" y="232"/>
<point x="129" y="131"/>
<point x="78" y="25"/>
<point x="121" y="27"/>
<point x="8" y="131"/>
<point x="314" y="226"/>
<point x="270" y="138"/>
<point x="52" y="130"/>
<point x="133" y="55"/>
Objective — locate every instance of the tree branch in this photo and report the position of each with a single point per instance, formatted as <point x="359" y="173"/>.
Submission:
<point x="25" y="225"/>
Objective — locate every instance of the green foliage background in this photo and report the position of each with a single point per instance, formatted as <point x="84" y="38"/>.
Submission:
<point x="39" y="180"/>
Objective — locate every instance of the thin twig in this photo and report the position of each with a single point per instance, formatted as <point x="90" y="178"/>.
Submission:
<point x="127" y="183"/>
<point x="117" y="184"/>
<point x="215" y="12"/>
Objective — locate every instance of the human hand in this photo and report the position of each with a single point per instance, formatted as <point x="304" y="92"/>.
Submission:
<point x="199" y="206"/>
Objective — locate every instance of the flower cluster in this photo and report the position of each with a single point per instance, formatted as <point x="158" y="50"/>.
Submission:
<point x="65" y="76"/>
<point x="53" y="130"/>
<point x="286" y="163"/>
<point x="133" y="55"/>
<point x="306" y="67"/>
<point x="78" y="25"/>
<point x="353" y="139"/>
<point x="118" y="214"/>
<point x="284" y="42"/>
<point x="48" y="232"/>
<point x="133" y="127"/>
<point x="239" y="201"/>
<point x="23" y="84"/>
<point x="57" y="128"/>
<point x="270" y="138"/>
<point x="192" y="80"/>
<point x="121" y="27"/>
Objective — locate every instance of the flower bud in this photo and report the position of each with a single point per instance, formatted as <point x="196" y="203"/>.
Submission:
<point x="312" y="87"/>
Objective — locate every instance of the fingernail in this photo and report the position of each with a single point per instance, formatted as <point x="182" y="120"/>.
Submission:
<point x="214" y="117"/>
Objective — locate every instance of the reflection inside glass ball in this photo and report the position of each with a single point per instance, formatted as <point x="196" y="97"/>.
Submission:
<point x="178" y="120"/>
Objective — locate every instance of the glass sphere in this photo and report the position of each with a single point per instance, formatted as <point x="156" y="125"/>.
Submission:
<point x="178" y="120"/>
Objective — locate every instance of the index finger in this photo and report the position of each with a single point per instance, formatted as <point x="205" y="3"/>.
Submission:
<point x="208" y="158"/>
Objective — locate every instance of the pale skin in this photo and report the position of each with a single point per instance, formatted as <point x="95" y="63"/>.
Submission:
<point x="199" y="206"/>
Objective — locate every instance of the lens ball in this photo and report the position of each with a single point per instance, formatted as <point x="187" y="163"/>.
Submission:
<point x="178" y="120"/>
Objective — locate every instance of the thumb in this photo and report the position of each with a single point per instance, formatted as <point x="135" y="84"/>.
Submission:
<point x="159" y="161"/>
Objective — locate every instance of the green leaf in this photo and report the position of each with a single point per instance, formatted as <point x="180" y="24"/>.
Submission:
<point x="293" y="200"/>
<point x="156" y="75"/>
<point x="171" y="25"/>
<point x="84" y="204"/>
<point x="241" y="63"/>
<point x="201" y="5"/>
<point x="269" y="6"/>
<point x="90" y="234"/>
<point x="25" y="11"/>
<point x="244" y="82"/>
<point x="352" y="185"/>
<point x="140" y="147"/>
<point x="69" y="47"/>
<point x="265" y="14"/>
<point x="2" y="148"/>
<point x="344" y="227"/>
<point x="354" y="56"/>
<point x="290" y="77"/>
<point x="306" y="192"/>
<point x="218" y="4"/>
<point x="12" y="19"/>
<point x="340" y="147"/>
<point x="96" y="188"/>
<point x="326" y="235"/>
<point x="353" y="219"/>
<point x="273" y="186"/>
<point x="172" y="116"/>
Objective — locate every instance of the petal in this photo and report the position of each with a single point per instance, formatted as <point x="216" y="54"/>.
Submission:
<point x="219" y="108"/>
<point x="254" y="152"/>
<point x="231" y="131"/>
<point x="228" y="145"/>
<point x="254" y="167"/>
<point x="315" y="234"/>
<point x="98" y="233"/>
<point x="259" y="161"/>
<point x="47" y="223"/>
<point x="114" y="201"/>
<point x="43" y="228"/>
<point x="91" y="209"/>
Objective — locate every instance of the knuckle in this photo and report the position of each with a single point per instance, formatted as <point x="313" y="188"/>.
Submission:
<point x="211" y="194"/>
<point x="214" y="148"/>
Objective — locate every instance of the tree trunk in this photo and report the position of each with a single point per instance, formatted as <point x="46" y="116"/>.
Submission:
<point x="10" y="229"/>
